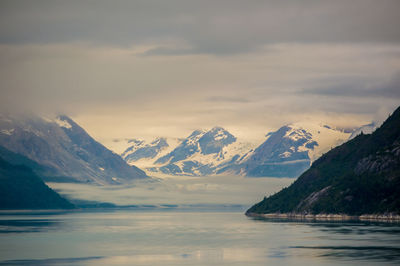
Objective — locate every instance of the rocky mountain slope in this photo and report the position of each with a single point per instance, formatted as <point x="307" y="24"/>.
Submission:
<point x="362" y="176"/>
<point x="65" y="149"/>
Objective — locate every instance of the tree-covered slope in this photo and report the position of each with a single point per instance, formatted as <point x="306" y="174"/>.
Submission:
<point x="362" y="176"/>
<point x="21" y="188"/>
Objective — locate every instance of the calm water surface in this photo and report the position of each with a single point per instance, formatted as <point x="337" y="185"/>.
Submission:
<point x="129" y="237"/>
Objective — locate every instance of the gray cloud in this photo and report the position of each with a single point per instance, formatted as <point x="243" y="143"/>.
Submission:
<point x="228" y="99"/>
<point x="114" y="92"/>
<point x="345" y="86"/>
<point x="132" y="68"/>
<point x="214" y="27"/>
<point x="169" y="51"/>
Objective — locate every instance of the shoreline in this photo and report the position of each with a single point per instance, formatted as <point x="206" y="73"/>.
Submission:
<point x="327" y="217"/>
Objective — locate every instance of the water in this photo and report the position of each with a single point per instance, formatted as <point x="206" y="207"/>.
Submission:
<point x="183" y="237"/>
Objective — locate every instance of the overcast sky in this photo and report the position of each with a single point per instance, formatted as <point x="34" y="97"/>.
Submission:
<point x="158" y="67"/>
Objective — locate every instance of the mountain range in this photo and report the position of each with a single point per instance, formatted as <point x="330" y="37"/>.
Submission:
<point x="60" y="150"/>
<point x="361" y="176"/>
<point x="284" y="153"/>
<point x="201" y="153"/>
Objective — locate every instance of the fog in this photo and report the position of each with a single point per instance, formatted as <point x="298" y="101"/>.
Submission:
<point x="181" y="191"/>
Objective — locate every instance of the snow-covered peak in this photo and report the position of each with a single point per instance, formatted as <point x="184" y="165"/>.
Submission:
<point x="62" y="122"/>
<point x="219" y="133"/>
<point x="297" y="133"/>
<point x="324" y="135"/>
<point x="193" y="139"/>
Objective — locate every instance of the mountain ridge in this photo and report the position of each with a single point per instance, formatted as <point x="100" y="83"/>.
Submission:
<point x="218" y="152"/>
<point x="67" y="149"/>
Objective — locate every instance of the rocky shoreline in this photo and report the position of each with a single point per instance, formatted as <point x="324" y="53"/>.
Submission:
<point x="328" y="217"/>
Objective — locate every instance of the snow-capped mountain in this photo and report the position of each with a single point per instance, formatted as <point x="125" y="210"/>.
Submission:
<point x="211" y="142"/>
<point x="64" y="147"/>
<point x="288" y="151"/>
<point x="141" y="150"/>
<point x="201" y="153"/>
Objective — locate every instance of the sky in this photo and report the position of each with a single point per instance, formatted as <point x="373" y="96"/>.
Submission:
<point x="127" y="69"/>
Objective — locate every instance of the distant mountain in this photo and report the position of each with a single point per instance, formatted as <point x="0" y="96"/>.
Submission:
<point x="285" y="153"/>
<point x="362" y="176"/>
<point x="140" y="150"/>
<point x="201" y="153"/>
<point x="143" y="152"/>
<point x="21" y="188"/>
<point x="288" y="151"/>
<point x="65" y="150"/>
<point x="199" y="142"/>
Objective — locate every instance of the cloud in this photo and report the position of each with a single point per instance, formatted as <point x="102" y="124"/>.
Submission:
<point x="228" y="99"/>
<point x="116" y="92"/>
<point x="345" y="86"/>
<point x="169" y="51"/>
<point x="131" y="68"/>
<point x="210" y="27"/>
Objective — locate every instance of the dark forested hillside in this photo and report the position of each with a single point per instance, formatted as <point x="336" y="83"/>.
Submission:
<point x="362" y="176"/>
<point x="21" y="188"/>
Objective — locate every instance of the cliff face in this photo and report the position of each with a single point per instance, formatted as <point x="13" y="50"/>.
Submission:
<point x="362" y="176"/>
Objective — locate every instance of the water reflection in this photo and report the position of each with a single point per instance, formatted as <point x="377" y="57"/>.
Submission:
<point x="376" y="253"/>
<point x="371" y="241"/>
<point x="28" y="225"/>
<point x="128" y="237"/>
<point x="61" y="261"/>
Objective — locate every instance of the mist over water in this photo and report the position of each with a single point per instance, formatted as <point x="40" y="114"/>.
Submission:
<point x="179" y="191"/>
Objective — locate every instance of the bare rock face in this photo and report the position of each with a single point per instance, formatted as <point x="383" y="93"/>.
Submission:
<point x="380" y="162"/>
<point x="306" y="204"/>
